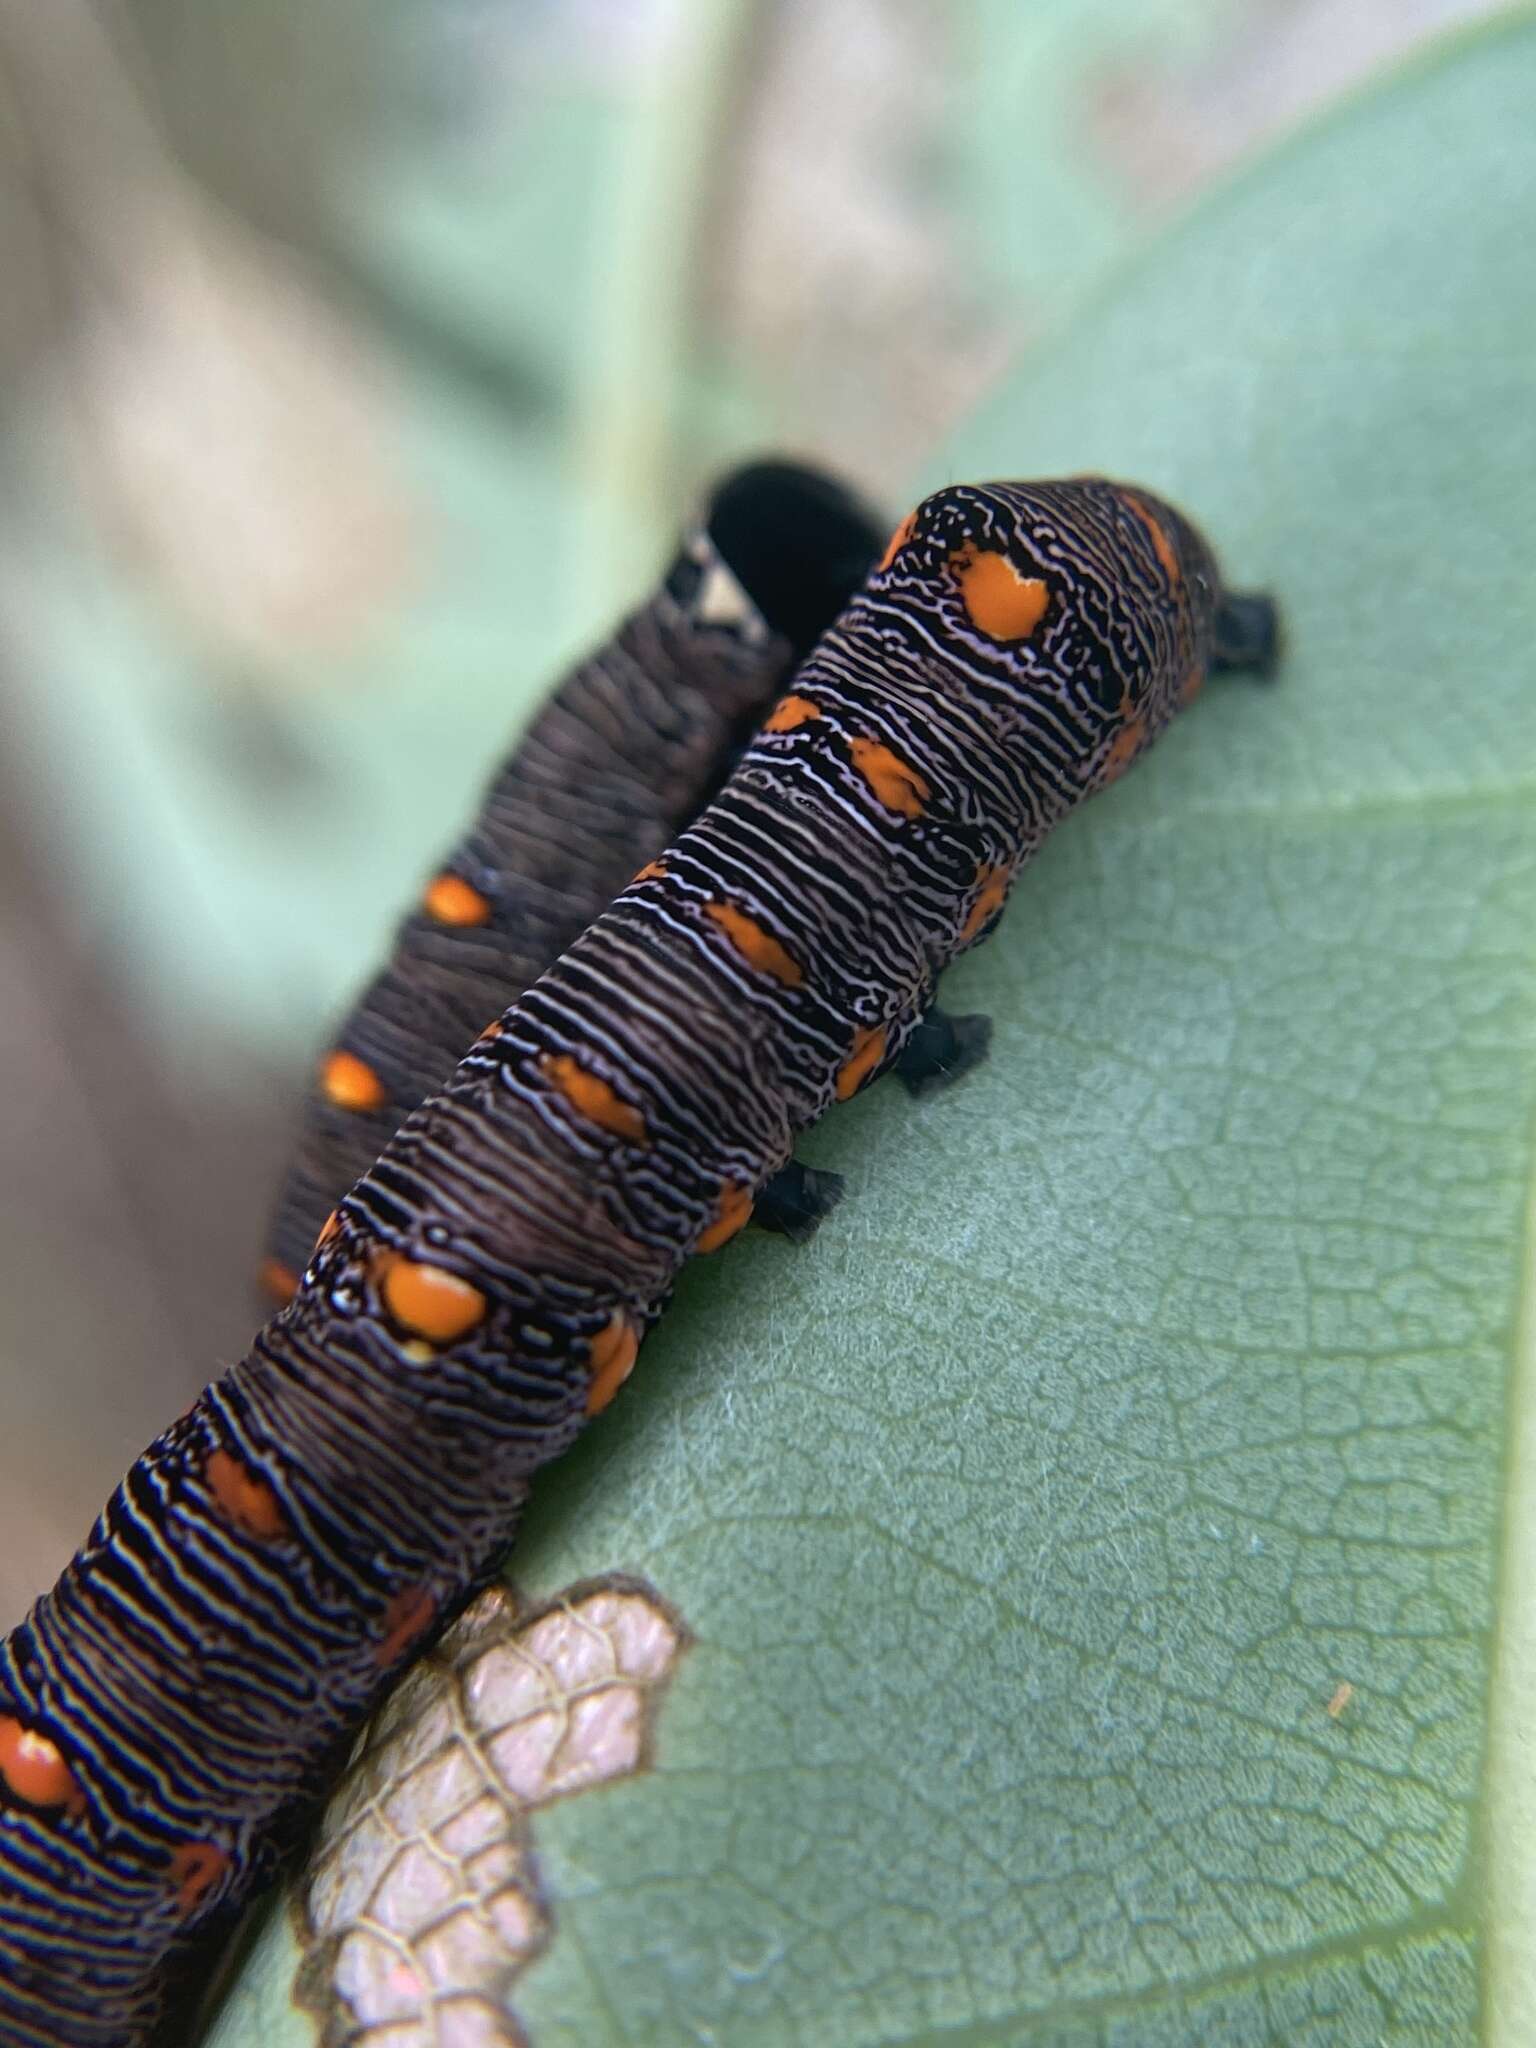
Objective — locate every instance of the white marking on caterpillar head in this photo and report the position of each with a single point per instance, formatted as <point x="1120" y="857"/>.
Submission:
<point x="720" y="599"/>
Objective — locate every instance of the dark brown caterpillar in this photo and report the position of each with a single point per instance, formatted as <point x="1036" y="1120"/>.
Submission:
<point x="484" y="1290"/>
<point x="629" y="748"/>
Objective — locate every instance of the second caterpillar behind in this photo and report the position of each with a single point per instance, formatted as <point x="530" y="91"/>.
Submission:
<point x="632" y="744"/>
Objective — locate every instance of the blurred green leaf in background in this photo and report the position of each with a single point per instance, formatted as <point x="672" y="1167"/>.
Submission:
<point x="1108" y="1549"/>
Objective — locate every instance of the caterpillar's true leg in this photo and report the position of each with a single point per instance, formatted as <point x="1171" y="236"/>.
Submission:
<point x="796" y="1200"/>
<point x="1247" y="632"/>
<point x="941" y="1049"/>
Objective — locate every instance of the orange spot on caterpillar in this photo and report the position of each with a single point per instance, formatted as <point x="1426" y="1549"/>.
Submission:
<point x="991" y="887"/>
<point x="1123" y="750"/>
<point x="592" y="1096"/>
<point x="734" y="1210"/>
<point x="1166" y="553"/>
<point x="898" y="540"/>
<point x="895" y="785"/>
<point x="33" y="1767"/>
<point x="407" y="1618"/>
<point x="330" y="1228"/>
<point x="452" y="900"/>
<point x="350" y="1082"/>
<point x="196" y="1868"/>
<point x="998" y="600"/>
<point x="1344" y="1692"/>
<point x="651" y="872"/>
<point x="278" y="1281"/>
<point x="428" y="1301"/>
<point x="493" y="1029"/>
<point x="868" y="1051"/>
<point x="610" y="1360"/>
<point x="1191" y="686"/>
<point x="244" y="1499"/>
<point x="759" y="948"/>
<point x="789" y="713"/>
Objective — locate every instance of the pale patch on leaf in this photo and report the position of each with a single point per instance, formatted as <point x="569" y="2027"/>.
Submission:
<point x="422" y="1903"/>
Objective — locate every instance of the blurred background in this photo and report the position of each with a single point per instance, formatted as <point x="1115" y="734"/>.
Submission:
<point x="357" y="364"/>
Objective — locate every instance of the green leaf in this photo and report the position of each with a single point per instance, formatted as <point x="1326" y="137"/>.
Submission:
<point x="1161" y="1382"/>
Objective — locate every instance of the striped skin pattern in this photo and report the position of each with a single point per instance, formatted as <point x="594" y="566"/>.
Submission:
<point x="629" y="748"/>
<point x="483" y="1291"/>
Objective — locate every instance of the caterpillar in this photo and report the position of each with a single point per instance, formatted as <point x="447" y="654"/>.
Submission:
<point x="483" y="1291"/>
<point x="629" y="747"/>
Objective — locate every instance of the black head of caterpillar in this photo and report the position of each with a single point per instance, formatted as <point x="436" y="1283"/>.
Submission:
<point x="1077" y="617"/>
